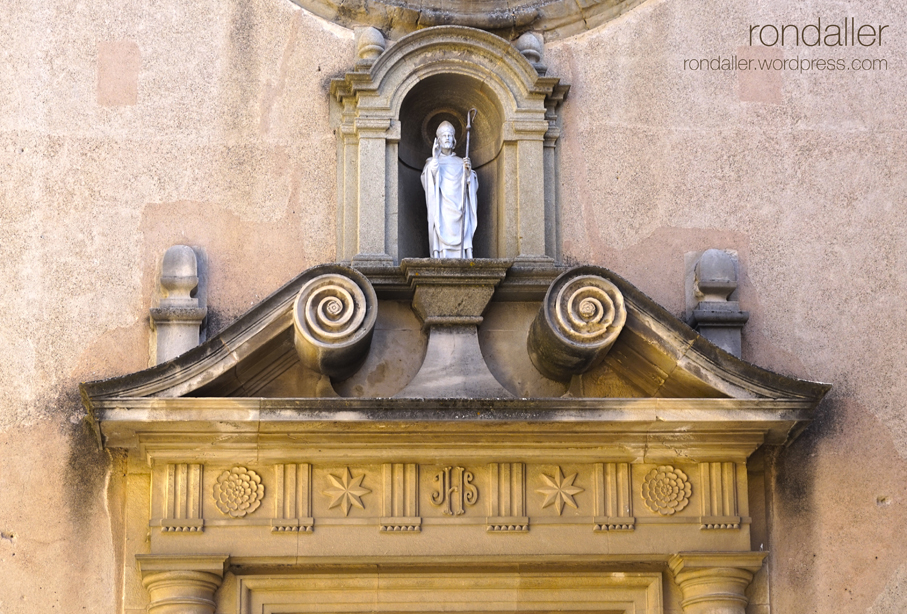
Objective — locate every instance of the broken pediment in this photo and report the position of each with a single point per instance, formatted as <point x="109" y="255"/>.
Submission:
<point x="655" y="355"/>
<point x="460" y="332"/>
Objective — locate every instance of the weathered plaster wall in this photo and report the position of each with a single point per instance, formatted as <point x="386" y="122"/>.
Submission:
<point x="126" y="128"/>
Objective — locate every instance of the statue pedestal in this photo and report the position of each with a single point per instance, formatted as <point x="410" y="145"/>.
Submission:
<point x="450" y="297"/>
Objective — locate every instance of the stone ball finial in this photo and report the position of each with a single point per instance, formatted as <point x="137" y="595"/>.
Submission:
<point x="370" y="44"/>
<point x="179" y="272"/>
<point x="716" y="275"/>
<point x="531" y="47"/>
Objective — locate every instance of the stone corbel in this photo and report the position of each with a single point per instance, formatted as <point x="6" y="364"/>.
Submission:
<point x="181" y="584"/>
<point x="715" y="582"/>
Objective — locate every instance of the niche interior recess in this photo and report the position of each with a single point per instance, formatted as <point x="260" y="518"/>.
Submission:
<point x="390" y="107"/>
<point x="448" y="98"/>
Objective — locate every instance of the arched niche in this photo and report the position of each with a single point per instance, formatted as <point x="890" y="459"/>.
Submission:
<point x="389" y="108"/>
<point x="448" y="97"/>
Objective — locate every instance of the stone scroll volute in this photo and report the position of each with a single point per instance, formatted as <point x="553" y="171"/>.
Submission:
<point x="334" y="318"/>
<point x="580" y="320"/>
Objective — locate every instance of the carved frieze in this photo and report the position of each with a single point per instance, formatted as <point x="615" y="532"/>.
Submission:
<point x="403" y="488"/>
<point x="666" y="490"/>
<point x="454" y="490"/>
<point x="238" y="492"/>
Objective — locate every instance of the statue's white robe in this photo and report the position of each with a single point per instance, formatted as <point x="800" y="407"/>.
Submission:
<point x="451" y="219"/>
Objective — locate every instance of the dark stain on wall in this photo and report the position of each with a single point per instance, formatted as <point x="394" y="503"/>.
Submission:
<point x="86" y="468"/>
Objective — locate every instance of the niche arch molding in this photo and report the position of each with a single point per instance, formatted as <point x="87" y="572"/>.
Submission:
<point x="379" y="192"/>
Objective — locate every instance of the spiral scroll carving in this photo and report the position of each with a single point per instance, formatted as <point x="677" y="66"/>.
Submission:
<point x="581" y="318"/>
<point x="334" y="317"/>
<point x="590" y="310"/>
<point x="334" y="308"/>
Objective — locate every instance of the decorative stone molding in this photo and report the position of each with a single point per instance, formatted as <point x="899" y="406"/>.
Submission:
<point x="179" y="315"/>
<point x="505" y="524"/>
<point x="507" y="498"/>
<point x="181" y="584"/>
<point x="293" y="498"/>
<point x="715" y="582"/>
<point x="182" y="511"/>
<point x="666" y="490"/>
<point x="556" y="19"/>
<point x="487" y="589"/>
<point x="400" y="506"/>
<point x="715" y="317"/>
<point x="334" y="318"/>
<point x="718" y="495"/>
<point x="238" y="492"/>
<point x="613" y="501"/>
<point x="580" y="320"/>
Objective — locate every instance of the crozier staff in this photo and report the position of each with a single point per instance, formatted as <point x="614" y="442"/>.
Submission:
<point x="450" y="194"/>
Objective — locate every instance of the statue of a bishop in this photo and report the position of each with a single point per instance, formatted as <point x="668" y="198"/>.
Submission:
<point x="450" y="193"/>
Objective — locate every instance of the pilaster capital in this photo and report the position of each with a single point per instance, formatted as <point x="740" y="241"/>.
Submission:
<point x="715" y="582"/>
<point x="181" y="584"/>
<point x="372" y="127"/>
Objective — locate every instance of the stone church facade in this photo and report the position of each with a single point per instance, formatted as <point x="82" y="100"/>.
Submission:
<point x="235" y="382"/>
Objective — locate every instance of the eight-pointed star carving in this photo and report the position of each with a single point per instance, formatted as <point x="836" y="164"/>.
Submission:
<point x="560" y="490"/>
<point x="347" y="491"/>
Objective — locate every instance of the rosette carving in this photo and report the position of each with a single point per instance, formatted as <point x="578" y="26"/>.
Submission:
<point x="334" y="317"/>
<point x="581" y="318"/>
<point x="666" y="490"/>
<point x="238" y="492"/>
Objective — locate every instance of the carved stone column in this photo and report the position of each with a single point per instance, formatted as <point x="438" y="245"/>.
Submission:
<point x="181" y="584"/>
<point x="715" y="582"/>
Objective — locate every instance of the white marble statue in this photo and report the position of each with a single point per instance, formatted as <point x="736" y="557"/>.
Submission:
<point x="450" y="193"/>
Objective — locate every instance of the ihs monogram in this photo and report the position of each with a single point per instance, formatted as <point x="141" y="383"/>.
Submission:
<point x="455" y="490"/>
